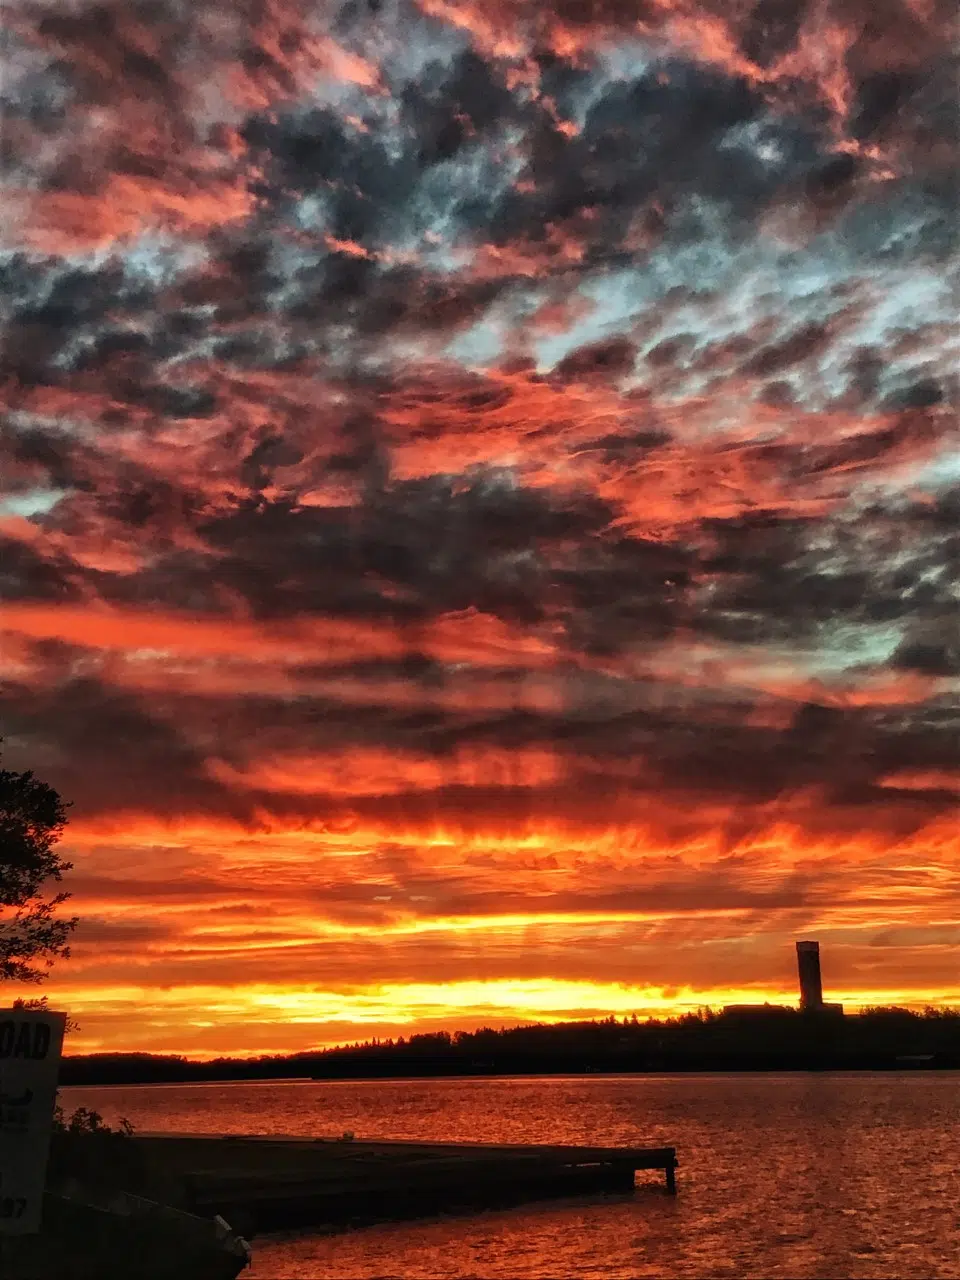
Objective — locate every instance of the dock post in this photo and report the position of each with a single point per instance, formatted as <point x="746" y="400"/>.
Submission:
<point x="671" y="1171"/>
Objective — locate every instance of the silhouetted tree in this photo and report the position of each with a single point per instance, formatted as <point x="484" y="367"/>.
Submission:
<point x="32" y="934"/>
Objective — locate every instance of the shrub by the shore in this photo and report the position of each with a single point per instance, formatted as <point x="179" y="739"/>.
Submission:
<point x="85" y="1150"/>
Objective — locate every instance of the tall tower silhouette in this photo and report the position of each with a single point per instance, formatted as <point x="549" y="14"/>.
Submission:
<point x="808" y="968"/>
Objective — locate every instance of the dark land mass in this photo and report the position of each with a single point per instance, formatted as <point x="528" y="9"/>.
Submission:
<point x="757" y="1038"/>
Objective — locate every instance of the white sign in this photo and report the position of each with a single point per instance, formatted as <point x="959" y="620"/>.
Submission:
<point x="31" y="1042"/>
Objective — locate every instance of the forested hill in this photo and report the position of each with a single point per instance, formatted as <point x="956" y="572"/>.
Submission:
<point x="764" y="1038"/>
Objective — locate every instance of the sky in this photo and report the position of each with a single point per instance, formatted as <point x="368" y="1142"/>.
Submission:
<point x="480" y="512"/>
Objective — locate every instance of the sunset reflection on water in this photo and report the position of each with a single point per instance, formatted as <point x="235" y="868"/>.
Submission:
<point x="794" y="1175"/>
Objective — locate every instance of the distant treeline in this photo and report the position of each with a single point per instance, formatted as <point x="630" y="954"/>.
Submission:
<point x="761" y="1038"/>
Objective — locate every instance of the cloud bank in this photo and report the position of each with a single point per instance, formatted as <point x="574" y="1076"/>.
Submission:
<point x="481" y="503"/>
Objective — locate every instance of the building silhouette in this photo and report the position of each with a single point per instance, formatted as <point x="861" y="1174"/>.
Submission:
<point x="811" y="984"/>
<point x="811" y="990"/>
<point x="808" y="969"/>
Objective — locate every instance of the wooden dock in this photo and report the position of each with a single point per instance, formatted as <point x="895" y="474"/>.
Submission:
<point x="271" y="1183"/>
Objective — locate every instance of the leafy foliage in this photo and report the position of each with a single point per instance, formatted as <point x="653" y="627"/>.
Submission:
<point x="43" y="1002"/>
<point x="32" y="934"/>
<point x="84" y="1120"/>
<point x="85" y="1149"/>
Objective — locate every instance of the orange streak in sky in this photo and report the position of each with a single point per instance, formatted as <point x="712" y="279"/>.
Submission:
<point x="67" y="222"/>
<point x="464" y="637"/>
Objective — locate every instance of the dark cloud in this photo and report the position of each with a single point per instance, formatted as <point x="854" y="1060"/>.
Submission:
<point x="784" y="578"/>
<point x="448" y="545"/>
<point x="108" y="752"/>
<point x="881" y="96"/>
<point x="828" y="184"/>
<point x="771" y="30"/>
<point x="921" y="395"/>
<point x="96" y="933"/>
<point x="609" y="359"/>
<point x="654" y="139"/>
<point x="931" y="657"/>
<point x="797" y="347"/>
<point x="27" y="574"/>
<point x="446" y="105"/>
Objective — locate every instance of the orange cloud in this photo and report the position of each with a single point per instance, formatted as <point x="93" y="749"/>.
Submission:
<point x="67" y="222"/>
<point x="465" y="637"/>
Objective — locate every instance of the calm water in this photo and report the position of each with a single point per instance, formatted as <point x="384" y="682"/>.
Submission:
<point x="789" y="1175"/>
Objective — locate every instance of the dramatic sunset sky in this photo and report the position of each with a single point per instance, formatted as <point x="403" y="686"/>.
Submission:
<point x="481" y="505"/>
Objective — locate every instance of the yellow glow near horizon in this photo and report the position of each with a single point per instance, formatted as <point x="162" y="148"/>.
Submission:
<point x="397" y="1008"/>
<point x="368" y="930"/>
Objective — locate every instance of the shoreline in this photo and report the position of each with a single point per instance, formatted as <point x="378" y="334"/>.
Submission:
<point x="411" y="1078"/>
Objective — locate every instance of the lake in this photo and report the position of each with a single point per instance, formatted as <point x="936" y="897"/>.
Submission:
<point x="795" y="1175"/>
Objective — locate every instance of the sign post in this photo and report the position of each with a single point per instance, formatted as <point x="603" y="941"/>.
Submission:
<point x="31" y="1042"/>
